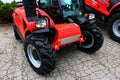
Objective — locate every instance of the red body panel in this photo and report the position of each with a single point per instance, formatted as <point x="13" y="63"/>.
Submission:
<point x="116" y="5"/>
<point x="19" y="16"/>
<point x="101" y="6"/>
<point x="98" y="5"/>
<point x="65" y="33"/>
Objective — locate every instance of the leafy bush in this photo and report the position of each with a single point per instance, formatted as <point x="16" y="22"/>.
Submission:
<point x="6" y="10"/>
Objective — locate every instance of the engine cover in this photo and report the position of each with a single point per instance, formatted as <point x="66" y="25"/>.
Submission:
<point x="66" y="34"/>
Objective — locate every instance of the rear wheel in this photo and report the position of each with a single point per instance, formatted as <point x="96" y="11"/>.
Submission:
<point x="93" y="39"/>
<point x="40" y="54"/>
<point x="114" y="27"/>
<point x="17" y="37"/>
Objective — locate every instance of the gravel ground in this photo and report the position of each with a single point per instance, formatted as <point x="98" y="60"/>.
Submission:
<point x="72" y="64"/>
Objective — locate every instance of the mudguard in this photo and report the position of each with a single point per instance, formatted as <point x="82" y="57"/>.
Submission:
<point x="23" y="24"/>
<point x="113" y="3"/>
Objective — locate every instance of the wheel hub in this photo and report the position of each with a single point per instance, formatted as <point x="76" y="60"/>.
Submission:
<point x="89" y="40"/>
<point x="119" y="28"/>
<point x="116" y="28"/>
<point x="33" y="56"/>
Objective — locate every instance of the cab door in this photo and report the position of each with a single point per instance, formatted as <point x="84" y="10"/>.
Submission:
<point x="53" y="9"/>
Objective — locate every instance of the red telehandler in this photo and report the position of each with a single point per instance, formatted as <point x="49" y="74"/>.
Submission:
<point x="60" y="23"/>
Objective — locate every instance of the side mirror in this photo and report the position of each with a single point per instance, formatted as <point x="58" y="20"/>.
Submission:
<point x="19" y="4"/>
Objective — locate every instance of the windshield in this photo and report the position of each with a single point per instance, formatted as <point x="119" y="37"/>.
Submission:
<point x="70" y="7"/>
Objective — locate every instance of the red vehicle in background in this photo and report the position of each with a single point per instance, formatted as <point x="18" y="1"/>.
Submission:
<point x="109" y="12"/>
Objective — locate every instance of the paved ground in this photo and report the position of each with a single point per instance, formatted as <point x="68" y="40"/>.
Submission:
<point x="72" y="64"/>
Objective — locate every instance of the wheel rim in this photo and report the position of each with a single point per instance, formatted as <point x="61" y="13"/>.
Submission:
<point x="116" y="28"/>
<point x="33" y="56"/>
<point x="89" y="39"/>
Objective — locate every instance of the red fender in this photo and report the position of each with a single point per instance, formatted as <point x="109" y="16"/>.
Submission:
<point x="117" y="4"/>
<point x="19" y="17"/>
<point x="98" y="5"/>
<point x="31" y="25"/>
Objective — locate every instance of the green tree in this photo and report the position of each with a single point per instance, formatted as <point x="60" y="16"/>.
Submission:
<point x="6" y="10"/>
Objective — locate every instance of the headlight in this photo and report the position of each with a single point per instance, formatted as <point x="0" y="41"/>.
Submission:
<point x="91" y="16"/>
<point x="41" y="23"/>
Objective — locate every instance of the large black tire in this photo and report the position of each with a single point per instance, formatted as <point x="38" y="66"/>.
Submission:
<point x="17" y="37"/>
<point x="114" y="27"/>
<point x="93" y="39"/>
<point x="40" y="54"/>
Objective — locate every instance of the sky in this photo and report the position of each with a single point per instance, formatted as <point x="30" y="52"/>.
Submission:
<point x="9" y="0"/>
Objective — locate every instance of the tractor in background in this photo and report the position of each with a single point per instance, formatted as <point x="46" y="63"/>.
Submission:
<point x="107" y="11"/>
